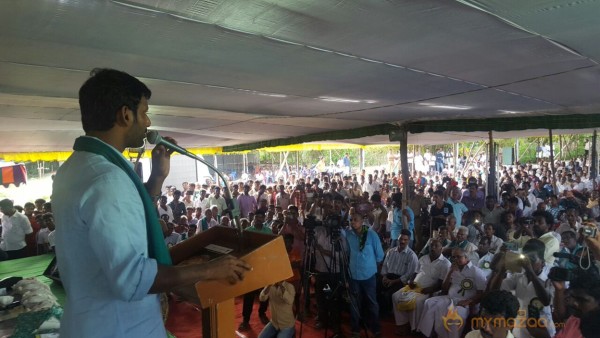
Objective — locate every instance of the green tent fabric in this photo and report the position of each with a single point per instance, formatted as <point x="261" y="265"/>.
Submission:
<point x="574" y="121"/>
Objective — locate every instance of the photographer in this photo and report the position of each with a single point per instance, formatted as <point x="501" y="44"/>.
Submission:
<point x="531" y="286"/>
<point x="582" y="306"/>
<point x="569" y="247"/>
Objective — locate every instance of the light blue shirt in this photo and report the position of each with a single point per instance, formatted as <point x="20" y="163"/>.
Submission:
<point x="397" y="223"/>
<point x="102" y="252"/>
<point x="363" y="263"/>
<point x="458" y="209"/>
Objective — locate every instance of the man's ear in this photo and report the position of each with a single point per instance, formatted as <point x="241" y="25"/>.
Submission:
<point x="124" y="117"/>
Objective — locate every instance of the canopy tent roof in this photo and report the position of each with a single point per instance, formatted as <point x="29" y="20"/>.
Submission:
<point x="229" y="73"/>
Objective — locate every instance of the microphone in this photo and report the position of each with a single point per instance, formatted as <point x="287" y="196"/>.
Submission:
<point x="154" y="137"/>
<point x="562" y="255"/>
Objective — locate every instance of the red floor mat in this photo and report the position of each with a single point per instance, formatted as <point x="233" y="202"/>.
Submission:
<point x="184" y="321"/>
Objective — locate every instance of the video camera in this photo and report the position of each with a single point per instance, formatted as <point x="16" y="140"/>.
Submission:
<point x="331" y="222"/>
<point x="567" y="274"/>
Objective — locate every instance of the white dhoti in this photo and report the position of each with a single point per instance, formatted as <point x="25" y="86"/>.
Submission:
<point x="434" y="311"/>
<point x="410" y="317"/>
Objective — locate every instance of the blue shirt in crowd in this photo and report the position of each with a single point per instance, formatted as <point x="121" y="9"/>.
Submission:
<point x="363" y="263"/>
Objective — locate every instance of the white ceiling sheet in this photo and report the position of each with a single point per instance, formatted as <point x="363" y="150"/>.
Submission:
<point x="229" y="72"/>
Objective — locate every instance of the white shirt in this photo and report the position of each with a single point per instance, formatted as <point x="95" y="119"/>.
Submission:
<point x="202" y="203"/>
<point x="14" y="229"/>
<point x="219" y="202"/>
<point x="466" y="283"/>
<point x="495" y="243"/>
<point x="525" y="293"/>
<point x="477" y="334"/>
<point x="168" y="212"/>
<point x="431" y="272"/>
<point x="172" y="239"/>
<point x="370" y="187"/>
<point x="552" y="242"/>
<point x="51" y="239"/>
<point x="484" y="264"/>
<point x="42" y="236"/>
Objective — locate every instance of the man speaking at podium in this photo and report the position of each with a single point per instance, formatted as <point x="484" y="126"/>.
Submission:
<point x="109" y="245"/>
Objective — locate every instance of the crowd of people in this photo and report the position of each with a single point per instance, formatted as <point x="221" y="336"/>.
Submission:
<point x="447" y="247"/>
<point x="448" y="255"/>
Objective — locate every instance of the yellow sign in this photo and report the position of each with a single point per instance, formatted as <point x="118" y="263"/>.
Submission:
<point x="452" y="318"/>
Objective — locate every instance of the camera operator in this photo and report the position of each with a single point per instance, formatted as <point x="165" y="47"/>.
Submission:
<point x="532" y="286"/>
<point x="569" y="247"/>
<point x="580" y="307"/>
<point x="329" y="265"/>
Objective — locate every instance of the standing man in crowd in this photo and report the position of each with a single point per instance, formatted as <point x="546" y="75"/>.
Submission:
<point x="111" y="254"/>
<point x="15" y="226"/>
<point x="365" y="253"/>
<point x="439" y="161"/>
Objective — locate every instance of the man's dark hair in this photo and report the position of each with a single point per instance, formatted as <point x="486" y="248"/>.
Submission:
<point x="29" y="204"/>
<point x="376" y="198"/>
<point x="104" y="94"/>
<point x="536" y="246"/>
<point x="546" y="214"/>
<point x="6" y="203"/>
<point x="40" y="200"/>
<point x="500" y="302"/>
<point x="488" y="240"/>
<point x="405" y="232"/>
<point x="439" y="193"/>
<point x="587" y="281"/>
<point x="513" y="200"/>
<point x="568" y="234"/>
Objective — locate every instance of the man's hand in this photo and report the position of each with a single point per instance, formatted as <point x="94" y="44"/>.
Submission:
<point x="454" y="267"/>
<point x="559" y="285"/>
<point x="464" y="303"/>
<point x="594" y="244"/>
<point x="226" y="268"/>
<point x="161" y="159"/>
<point x="411" y="284"/>
<point x="385" y="281"/>
<point x="526" y="264"/>
<point x="427" y="291"/>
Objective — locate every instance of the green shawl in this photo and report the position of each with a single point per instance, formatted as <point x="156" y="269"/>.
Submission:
<point x="157" y="248"/>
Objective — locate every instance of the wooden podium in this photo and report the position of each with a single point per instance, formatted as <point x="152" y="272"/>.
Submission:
<point x="265" y="253"/>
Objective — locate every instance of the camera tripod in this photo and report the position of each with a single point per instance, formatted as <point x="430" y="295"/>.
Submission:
<point x="325" y="248"/>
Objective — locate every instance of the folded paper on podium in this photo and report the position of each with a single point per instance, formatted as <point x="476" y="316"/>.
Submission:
<point x="265" y="253"/>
